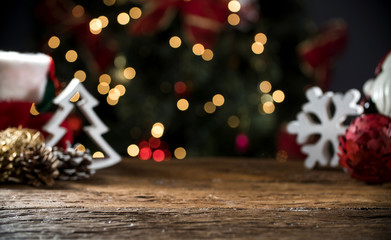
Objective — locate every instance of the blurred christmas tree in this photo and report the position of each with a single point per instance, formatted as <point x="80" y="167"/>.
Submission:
<point x="212" y="77"/>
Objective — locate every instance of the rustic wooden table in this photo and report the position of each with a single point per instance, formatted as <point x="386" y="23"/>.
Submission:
<point x="200" y="198"/>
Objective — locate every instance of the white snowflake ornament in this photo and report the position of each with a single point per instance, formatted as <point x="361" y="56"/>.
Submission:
<point x="324" y="115"/>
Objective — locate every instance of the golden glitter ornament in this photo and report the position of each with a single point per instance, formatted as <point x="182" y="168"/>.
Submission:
<point x="13" y="142"/>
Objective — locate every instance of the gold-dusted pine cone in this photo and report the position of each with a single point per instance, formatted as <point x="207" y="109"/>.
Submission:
<point x="74" y="165"/>
<point x="36" y="166"/>
<point x="14" y="141"/>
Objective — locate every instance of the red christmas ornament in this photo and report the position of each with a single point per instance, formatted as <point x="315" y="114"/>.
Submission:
<point x="365" y="150"/>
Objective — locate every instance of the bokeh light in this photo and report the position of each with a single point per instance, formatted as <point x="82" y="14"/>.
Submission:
<point x="266" y="98"/>
<point x="95" y="26"/>
<point x="114" y="94"/>
<point x="180" y="153"/>
<point x="278" y="96"/>
<point x="135" y="12"/>
<point x="123" y="18"/>
<point x="198" y="49"/>
<point x="120" y="61"/>
<point x="158" y="155"/>
<point x="81" y="75"/>
<point x="75" y="97"/>
<point x="80" y="148"/>
<point x="33" y="110"/>
<point x="207" y="55"/>
<point x="218" y="100"/>
<point x="78" y="11"/>
<point x="111" y="100"/>
<point x="121" y="88"/>
<point x="180" y="87"/>
<point x="71" y="56"/>
<point x="98" y="154"/>
<point x="182" y="104"/>
<point x="129" y="73"/>
<point x="233" y="121"/>
<point x="154" y="142"/>
<point x="133" y="150"/>
<point x="157" y="130"/>
<point x="104" y="20"/>
<point x="265" y="86"/>
<point x="54" y="42"/>
<point x="175" y="42"/>
<point x="268" y="107"/>
<point x="257" y="48"/>
<point x="105" y="78"/>
<point x="234" y="6"/>
<point x="103" y="88"/>
<point x="109" y="2"/>
<point x="209" y="107"/>
<point x="261" y="38"/>
<point x="145" y="153"/>
<point x="233" y="19"/>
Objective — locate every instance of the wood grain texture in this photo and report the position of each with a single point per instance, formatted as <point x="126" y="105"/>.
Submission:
<point x="198" y="198"/>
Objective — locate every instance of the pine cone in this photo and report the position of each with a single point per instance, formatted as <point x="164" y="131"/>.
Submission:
<point x="74" y="165"/>
<point x="37" y="166"/>
<point x="6" y="167"/>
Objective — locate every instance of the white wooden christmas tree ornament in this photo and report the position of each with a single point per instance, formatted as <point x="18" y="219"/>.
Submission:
<point x="94" y="131"/>
<point x="330" y="110"/>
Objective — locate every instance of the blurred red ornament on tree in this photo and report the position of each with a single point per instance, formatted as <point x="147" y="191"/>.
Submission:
<point x="319" y="53"/>
<point x="365" y="150"/>
<point x="202" y="19"/>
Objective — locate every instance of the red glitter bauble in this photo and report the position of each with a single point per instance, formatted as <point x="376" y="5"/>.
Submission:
<point x="365" y="150"/>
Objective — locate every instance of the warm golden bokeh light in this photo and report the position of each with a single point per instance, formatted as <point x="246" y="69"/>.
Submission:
<point x="75" y="97"/>
<point x="71" y="56"/>
<point x="114" y="94"/>
<point x="80" y="148"/>
<point x="121" y="88"/>
<point x="209" y="107"/>
<point x="104" y="20"/>
<point x="233" y="19"/>
<point x="95" y="26"/>
<point x="81" y="75"/>
<point x="78" y="11"/>
<point x="133" y="150"/>
<point x="129" y="73"/>
<point x="123" y="18"/>
<point x="180" y="153"/>
<point x="105" y="78"/>
<point x="198" y="49"/>
<point x="182" y="104"/>
<point x="54" y="42"/>
<point x="234" y="6"/>
<point x="135" y="12"/>
<point x="175" y="42"/>
<point x="98" y="154"/>
<point x="103" y="88"/>
<point x="111" y="101"/>
<point x="268" y="107"/>
<point x="109" y="2"/>
<point x="233" y="121"/>
<point x="261" y="38"/>
<point x="207" y="55"/>
<point x="33" y="110"/>
<point x="218" y="100"/>
<point x="157" y="130"/>
<point x="265" y="86"/>
<point x="257" y="48"/>
<point x="278" y="96"/>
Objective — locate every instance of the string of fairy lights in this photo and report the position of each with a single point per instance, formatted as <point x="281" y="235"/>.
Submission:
<point x="125" y="73"/>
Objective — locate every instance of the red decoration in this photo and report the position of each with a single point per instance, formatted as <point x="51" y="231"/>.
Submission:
<point x="365" y="150"/>
<point x="320" y="52"/>
<point x="202" y="19"/>
<point x="17" y="114"/>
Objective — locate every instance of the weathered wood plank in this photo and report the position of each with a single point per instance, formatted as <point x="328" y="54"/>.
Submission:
<point x="200" y="198"/>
